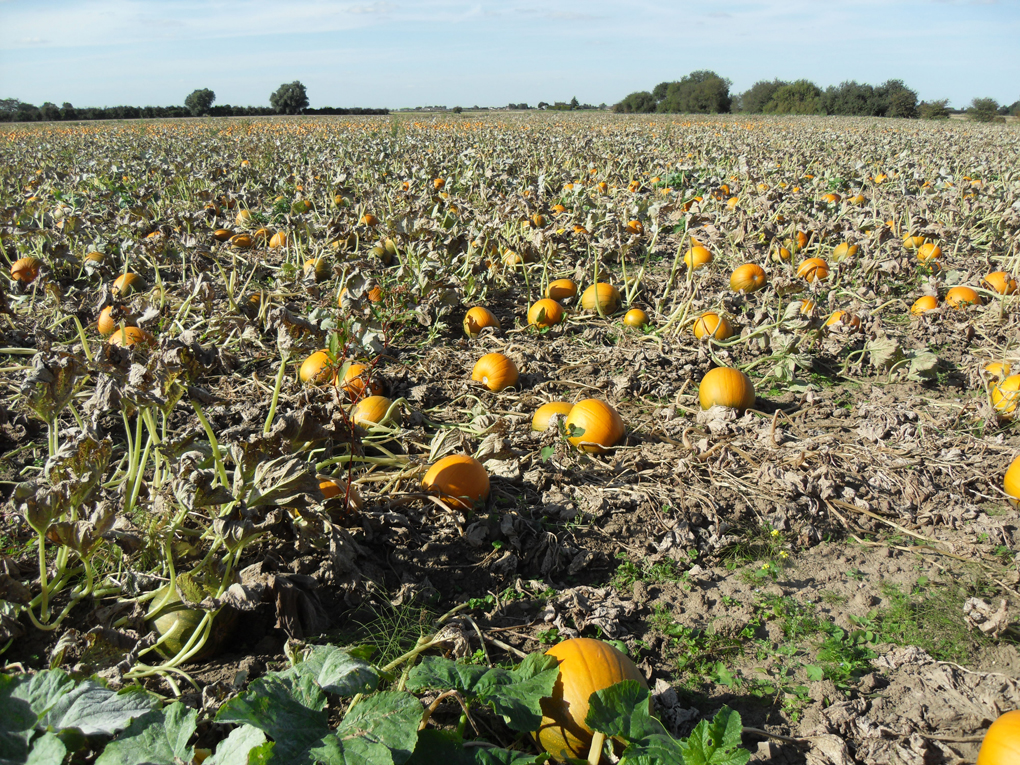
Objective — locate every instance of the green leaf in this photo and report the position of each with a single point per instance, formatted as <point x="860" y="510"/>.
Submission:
<point x="159" y="738"/>
<point x="288" y="707"/>
<point x="96" y="710"/>
<point x="716" y="743"/>
<point x="622" y="711"/>
<point x="446" y="747"/>
<point x="336" y="671"/>
<point x="387" y="722"/>
<point x="17" y="720"/>
<point x="515" y="694"/>
<point x="236" y="748"/>
<point x="814" y="672"/>
<point x="48" y="749"/>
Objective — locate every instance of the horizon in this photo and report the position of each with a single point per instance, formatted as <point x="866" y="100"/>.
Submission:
<point x="104" y="53"/>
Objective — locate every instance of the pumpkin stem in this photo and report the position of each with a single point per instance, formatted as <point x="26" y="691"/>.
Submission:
<point x="595" y="753"/>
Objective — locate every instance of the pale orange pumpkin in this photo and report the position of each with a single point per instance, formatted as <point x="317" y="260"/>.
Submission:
<point x="1001" y="282"/>
<point x="813" y="269"/>
<point x="958" y="297"/>
<point x="459" y="479"/>
<point x="370" y="411"/>
<point x="477" y="319"/>
<point x="725" y="386"/>
<point x="1001" y="744"/>
<point x="749" y="277"/>
<point x="354" y="382"/>
<point x="913" y="242"/>
<point x="697" y="257"/>
<point x="241" y="242"/>
<point x="636" y="318"/>
<point x="843" y="319"/>
<point x="317" y="269"/>
<point x="127" y="284"/>
<point x="222" y="234"/>
<point x="545" y="313"/>
<point x="106" y="324"/>
<point x="601" y="424"/>
<point x="601" y="297"/>
<point x="586" y="666"/>
<point x="544" y="414"/>
<point x="712" y="325"/>
<point x="279" y="239"/>
<point x="923" y="304"/>
<point x="1005" y="397"/>
<point x="317" y="368"/>
<point x="369" y="220"/>
<point x="997" y="369"/>
<point x="25" y="269"/>
<point x="129" y="336"/>
<point x="561" y="289"/>
<point x="495" y="371"/>
<point x="1011" y="485"/>
<point x="928" y="251"/>
<point x="844" y="250"/>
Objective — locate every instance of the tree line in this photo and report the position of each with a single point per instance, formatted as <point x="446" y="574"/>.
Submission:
<point x="705" y="92"/>
<point x="289" y="98"/>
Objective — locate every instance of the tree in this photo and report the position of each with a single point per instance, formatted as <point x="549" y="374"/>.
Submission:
<point x="983" y="109"/>
<point x="289" y="98"/>
<point x="934" y="110"/>
<point x="574" y="103"/>
<point x="753" y="100"/>
<point x="641" y="102"/>
<point x="1014" y="108"/>
<point x="701" y="92"/>
<point x="199" y="102"/>
<point x="852" y="99"/>
<point x="68" y="112"/>
<point x="50" y="112"/>
<point x="458" y="109"/>
<point x="896" y="99"/>
<point x="800" y="97"/>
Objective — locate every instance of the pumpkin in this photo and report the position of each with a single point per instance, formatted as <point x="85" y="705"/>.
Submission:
<point x="241" y="242"/>
<point x="545" y="313"/>
<point x="438" y="183"/>
<point x="222" y="234"/>
<point x="813" y="269"/>
<point x="371" y="410"/>
<point x="459" y="479"/>
<point x="369" y="220"/>
<point x="725" y="386"/>
<point x="477" y="318"/>
<point x="928" y="251"/>
<point x="913" y="242"/>
<point x="558" y="209"/>
<point x="129" y="336"/>
<point x="317" y="268"/>
<point x="262" y="236"/>
<point x="25" y="270"/>
<point x="712" y="325"/>
<point x="356" y="382"/>
<point x="175" y="623"/>
<point x="538" y="220"/>
<point x="544" y="414"/>
<point x="586" y="666"/>
<point x="832" y="199"/>
<point x="243" y="218"/>
<point x="495" y="371"/>
<point x="923" y="304"/>
<point x="279" y="239"/>
<point x="601" y="424"/>
<point x="128" y="283"/>
<point x="958" y="297"/>
<point x="807" y="306"/>
<point x="107" y="324"/>
<point x="1011" y="485"/>
<point x="1001" y="282"/>
<point x="802" y="240"/>
<point x="561" y="289"/>
<point x="844" y="250"/>
<point x="317" y="368"/>
<point x="844" y="319"/>
<point x="601" y="297"/>
<point x="749" y="277"/>
<point x="997" y="369"/>
<point x="780" y="254"/>
<point x="635" y="227"/>
<point x="1005" y="396"/>
<point x="697" y="257"/>
<point x="1001" y="745"/>
<point x="636" y="318"/>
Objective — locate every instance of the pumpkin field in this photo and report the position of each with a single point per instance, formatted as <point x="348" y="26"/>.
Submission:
<point x="496" y="438"/>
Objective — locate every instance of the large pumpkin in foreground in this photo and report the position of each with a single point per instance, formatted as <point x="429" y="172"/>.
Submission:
<point x="725" y="386"/>
<point x="586" y="666"/>
<point x="602" y="425"/>
<point x="460" y="479"/>
<point x="1001" y="745"/>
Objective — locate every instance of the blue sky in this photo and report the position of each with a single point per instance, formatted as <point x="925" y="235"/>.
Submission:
<point x="395" y="53"/>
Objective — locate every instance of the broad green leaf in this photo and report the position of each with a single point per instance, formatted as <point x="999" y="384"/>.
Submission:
<point x="514" y="694"/>
<point x="336" y="671"/>
<point x="291" y="709"/>
<point x="43" y="689"/>
<point x="96" y="710"/>
<point x="48" y="749"/>
<point x="159" y="738"/>
<point x="446" y="747"/>
<point x="655" y="750"/>
<point x="716" y="743"/>
<point x="622" y="711"/>
<point x="16" y="721"/>
<point x="389" y="719"/>
<point x="236" y="748"/>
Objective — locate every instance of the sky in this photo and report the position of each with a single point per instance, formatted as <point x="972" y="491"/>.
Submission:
<point x="397" y="53"/>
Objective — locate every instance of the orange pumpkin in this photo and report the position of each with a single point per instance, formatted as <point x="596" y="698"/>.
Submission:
<point x="369" y="220"/>
<point x="958" y="297"/>
<point x="317" y="268"/>
<point x="635" y="227"/>
<point x="1001" y="282"/>
<point x="997" y="369"/>
<point x="780" y="254"/>
<point x="749" y="277"/>
<point x="561" y="289"/>
<point x="913" y="242"/>
<point x="636" y="318"/>
<point x="725" y="386"/>
<point x="544" y="414"/>
<point x="25" y="269"/>
<point x="601" y="297"/>
<point x="697" y="257"/>
<point x="813" y="269"/>
<point x="222" y="234"/>
<point x="545" y="313"/>
<point x="354" y="383"/>
<point x="262" y="236"/>
<point x="843" y="319"/>
<point x="923" y="304"/>
<point x="370" y="411"/>
<point x="1001" y="745"/>
<point x="1011" y="485"/>
<point x="241" y="242"/>
<point x="844" y="250"/>
<point x="106" y="324"/>
<point x="1005" y="397"/>
<point x="586" y="666"/>
<point x="129" y="336"/>
<point x="459" y="479"/>
<point x="712" y="325"/>
<point x="243" y="218"/>
<point x="279" y="239"/>
<point x="831" y="199"/>
<point x="477" y="319"/>
<point x="601" y="424"/>
<point x="495" y="371"/>
<point x="317" y="368"/>
<point x="128" y="283"/>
